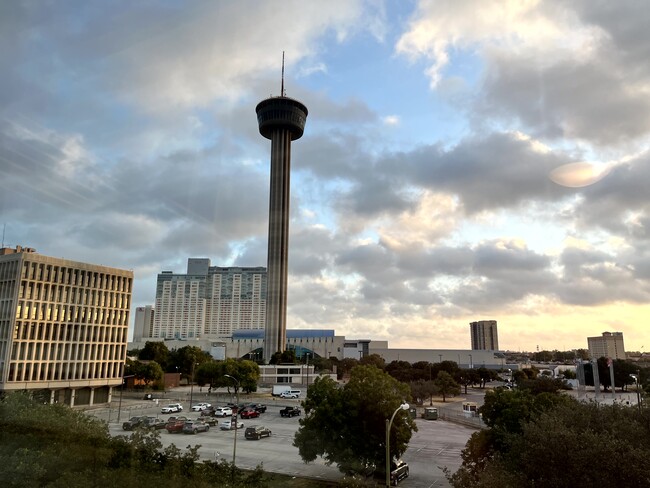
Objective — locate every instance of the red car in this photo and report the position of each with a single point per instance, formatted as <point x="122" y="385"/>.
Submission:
<point x="249" y="413"/>
<point x="175" y="424"/>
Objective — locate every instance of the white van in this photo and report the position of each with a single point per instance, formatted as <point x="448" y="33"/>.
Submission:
<point x="290" y="394"/>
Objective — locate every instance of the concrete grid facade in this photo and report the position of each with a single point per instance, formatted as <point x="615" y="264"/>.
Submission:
<point x="209" y="301"/>
<point x="63" y="326"/>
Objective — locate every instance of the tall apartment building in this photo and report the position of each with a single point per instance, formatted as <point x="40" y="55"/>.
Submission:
<point x="484" y="335"/>
<point x="609" y="345"/>
<point x="209" y="301"/>
<point x="143" y="323"/>
<point x="63" y="326"/>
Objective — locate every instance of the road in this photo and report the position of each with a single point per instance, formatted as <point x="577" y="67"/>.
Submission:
<point x="435" y="445"/>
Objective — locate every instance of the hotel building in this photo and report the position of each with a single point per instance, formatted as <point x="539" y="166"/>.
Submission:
<point x="209" y="301"/>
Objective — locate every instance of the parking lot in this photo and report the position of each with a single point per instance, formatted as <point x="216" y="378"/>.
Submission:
<point x="435" y="445"/>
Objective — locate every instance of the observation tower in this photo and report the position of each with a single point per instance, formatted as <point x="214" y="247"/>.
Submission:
<point x="282" y="120"/>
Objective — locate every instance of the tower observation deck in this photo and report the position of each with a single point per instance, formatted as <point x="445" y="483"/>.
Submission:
<point x="282" y="120"/>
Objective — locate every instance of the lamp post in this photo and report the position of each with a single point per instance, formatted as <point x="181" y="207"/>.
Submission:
<point x="389" y="423"/>
<point x="119" y="407"/>
<point x="192" y="384"/>
<point x="234" y="446"/>
<point x="635" y="377"/>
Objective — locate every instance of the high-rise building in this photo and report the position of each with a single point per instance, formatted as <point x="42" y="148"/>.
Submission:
<point x="484" y="335"/>
<point x="282" y="120"/>
<point x="63" y="326"/>
<point x="609" y="345"/>
<point x="209" y="301"/>
<point x="143" y="323"/>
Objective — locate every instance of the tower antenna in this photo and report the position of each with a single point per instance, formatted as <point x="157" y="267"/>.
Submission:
<point x="282" y="87"/>
<point x="4" y="227"/>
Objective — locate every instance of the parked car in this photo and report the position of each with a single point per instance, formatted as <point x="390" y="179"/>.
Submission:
<point x="175" y="424"/>
<point x="230" y="425"/>
<point x="256" y="432"/>
<point x="222" y="412"/>
<point x="249" y="413"/>
<point x="172" y="408"/>
<point x="200" y="407"/>
<point x="398" y="472"/>
<point x="195" y="426"/>
<point x="133" y="422"/>
<point x="290" y="394"/>
<point x="289" y="412"/>
<point x="154" y="423"/>
<point x="258" y="407"/>
<point x="211" y="421"/>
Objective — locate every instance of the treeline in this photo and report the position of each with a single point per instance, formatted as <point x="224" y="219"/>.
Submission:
<point x="43" y="445"/>
<point x="549" y="439"/>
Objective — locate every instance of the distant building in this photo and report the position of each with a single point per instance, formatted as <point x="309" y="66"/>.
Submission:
<point x="609" y="345"/>
<point x="209" y="301"/>
<point x="484" y="335"/>
<point x="63" y="326"/>
<point x="143" y="323"/>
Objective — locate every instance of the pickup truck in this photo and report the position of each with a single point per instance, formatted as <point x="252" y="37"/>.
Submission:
<point x="289" y="411"/>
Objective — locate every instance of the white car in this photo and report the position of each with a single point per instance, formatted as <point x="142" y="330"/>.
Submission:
<point x="289" y="394"/>
<point x="200" y="407"/>
<point x="223" y="412"/>
<point x="230" y="425"/>
<point x="172" y="408"/>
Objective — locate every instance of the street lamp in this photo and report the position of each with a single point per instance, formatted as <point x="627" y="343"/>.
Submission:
<point x="192" y="384"/>
<point x="119" y="407"/>
<point x="389" y="423"/>
<point x="635" y="377"/>
<point x="234" y="447"/>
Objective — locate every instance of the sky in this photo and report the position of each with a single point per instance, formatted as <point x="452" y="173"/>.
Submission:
<point x="462" y="160"/>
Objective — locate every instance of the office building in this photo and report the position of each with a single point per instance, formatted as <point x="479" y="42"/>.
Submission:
<point x="143" y="323"/>
<point x="484" y="335"/>
<point x="209" y="301"/>
<point x="282" y="120"/>
<point x="609" y="345"/>
<point x="63" y="326"/>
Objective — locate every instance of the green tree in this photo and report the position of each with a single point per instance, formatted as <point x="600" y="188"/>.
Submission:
<point x="346" y="426"/>
<point x="214" y="373"/>
<point x="421" y="389"/>
<point x="560" y="447"/>
<point x="187" y="359"/>
<point x="446" y="385"/>
<point x="147" y="371"/>
<point x="155" y="351"/>
<point x="373" y="360"/>
<point x="467" y="377"/>
<point x="288" y="356"/>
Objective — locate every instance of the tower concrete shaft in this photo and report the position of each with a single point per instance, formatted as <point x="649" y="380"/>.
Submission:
<point x="282" y="120"/>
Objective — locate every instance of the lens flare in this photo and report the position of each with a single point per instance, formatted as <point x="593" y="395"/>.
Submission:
<point x="578" y="175"/>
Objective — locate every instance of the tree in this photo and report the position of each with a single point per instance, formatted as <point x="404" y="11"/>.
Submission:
<point x="187" y="359"/>
<point x="373" y="360"/>
<point x="155" y="351"/>
<point x="466" y="377"/>
<point x="288" y="356"/>
<point x="400" y="370"/>
<point x="422" y="389"/>
<point x="560" y="446"/>
<point x="446" y="385"/>
<point x="245" y="371"/>
<point x="346" y="426"/>
<point x="147" y="371"/>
